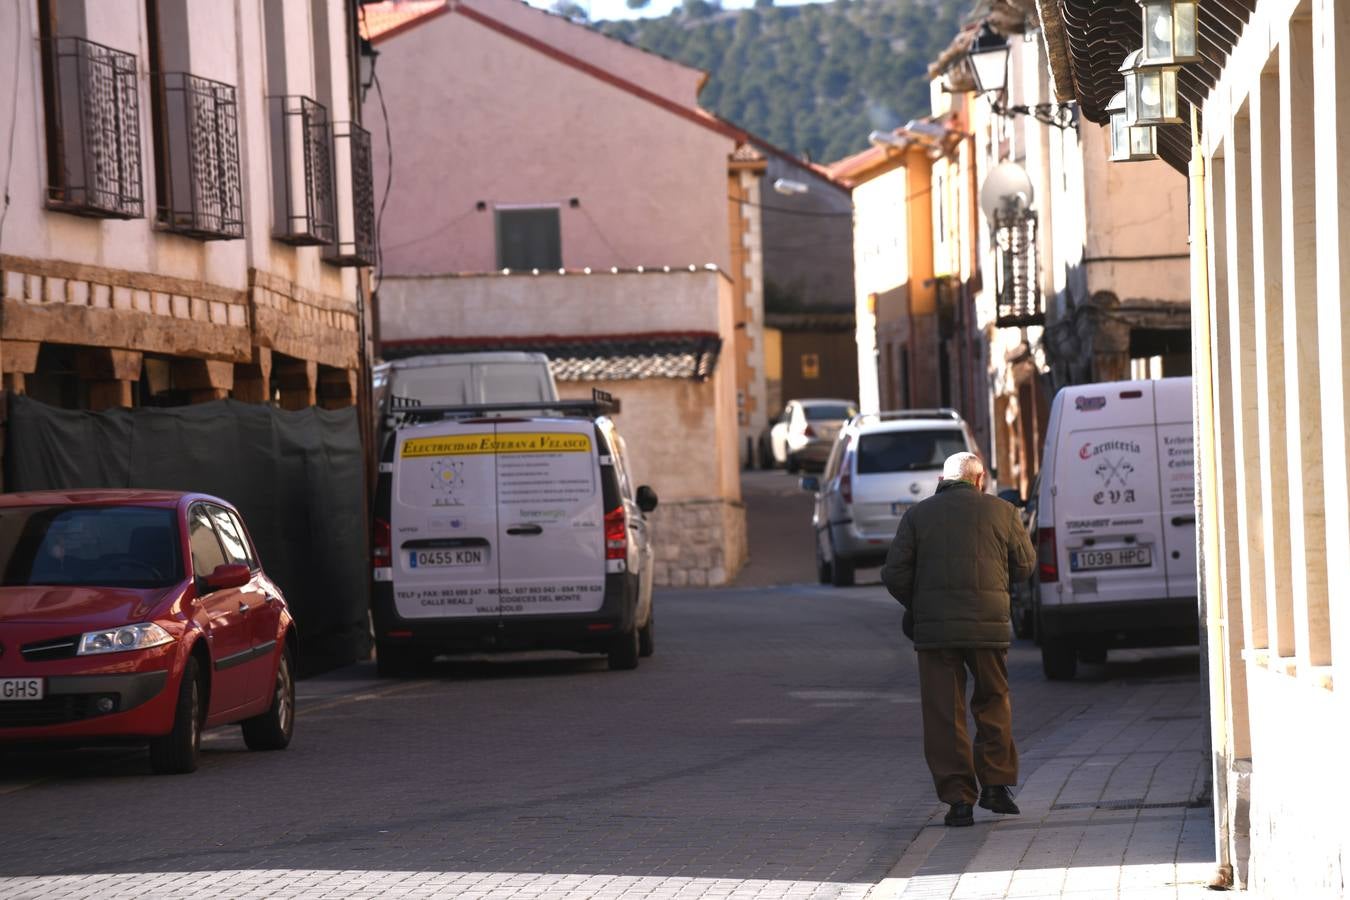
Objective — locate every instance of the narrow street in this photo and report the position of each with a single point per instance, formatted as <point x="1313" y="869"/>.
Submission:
<point x="771" y="747"/>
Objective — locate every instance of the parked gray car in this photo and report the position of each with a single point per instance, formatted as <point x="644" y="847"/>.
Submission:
<point x="882" y="464"/>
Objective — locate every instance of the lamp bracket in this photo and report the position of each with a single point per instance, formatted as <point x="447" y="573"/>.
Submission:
<point x="1062" y="116"/>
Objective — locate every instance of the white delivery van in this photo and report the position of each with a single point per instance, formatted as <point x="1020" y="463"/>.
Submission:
<point x="450" y="379"/>
<point x="1116" y="523"/>
<point x="501" y="528"/>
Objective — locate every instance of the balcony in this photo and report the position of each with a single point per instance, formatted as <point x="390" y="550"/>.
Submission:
<point x="1017" y="272"/>
<point x="302" y="171"/>
<point x="197" y="135"/>
<point x="355" y="244"/>
<point x="93" y="130"/>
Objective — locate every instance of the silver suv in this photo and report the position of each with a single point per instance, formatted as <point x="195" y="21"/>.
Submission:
<point x="882" y="464"/>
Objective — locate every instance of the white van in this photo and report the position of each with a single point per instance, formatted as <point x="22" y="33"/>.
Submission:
<point x="501" y="531"/>
<point x="452" y="379"/>
<point x="1116" y="517"/>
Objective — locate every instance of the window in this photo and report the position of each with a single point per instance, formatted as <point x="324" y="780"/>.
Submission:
<point x="1017" y="272"/>
<point x="206" y="552"/>
<point x="231" y="537"/>
<point x="529" y="238"/>
<point x="837" y="457"/>
<point x="198" y="183"/>
<point x="92" y="115"/>
<point x="829" y="412"/>
<point x="108" y="546"/>
<point x="301" y="133"/>
<point x="908" y="451"/>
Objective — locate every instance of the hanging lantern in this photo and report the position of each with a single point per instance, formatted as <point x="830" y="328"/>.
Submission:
<point x="1169" y="31"/>
<point x="1129" y="143"/>
<point x="988" y="57"/>
<point x="1150" y="91"/>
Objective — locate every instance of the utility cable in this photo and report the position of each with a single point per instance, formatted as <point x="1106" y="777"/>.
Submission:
<point x="388" y="177"/>
<point x="13" y="117"/>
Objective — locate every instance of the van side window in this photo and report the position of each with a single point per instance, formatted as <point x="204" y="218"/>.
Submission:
<point x="206" y="552"/>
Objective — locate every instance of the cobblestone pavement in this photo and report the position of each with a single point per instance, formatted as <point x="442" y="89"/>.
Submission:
<point x="1115" y="804"/>
<point x="770" y="748"/>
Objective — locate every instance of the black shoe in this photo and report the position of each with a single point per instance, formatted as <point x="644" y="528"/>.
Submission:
<point x="997" y="798"/>
<point x="960" y="815"/>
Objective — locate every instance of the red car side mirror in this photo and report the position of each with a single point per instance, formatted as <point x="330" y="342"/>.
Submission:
<point x="228" y="575"/>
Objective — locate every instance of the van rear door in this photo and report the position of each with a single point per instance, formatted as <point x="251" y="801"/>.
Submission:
<point x="551" y="517"/>
<point x="1107" y="505"/>
<point x="1176" y="455"/>
<point x="443" y="521"/>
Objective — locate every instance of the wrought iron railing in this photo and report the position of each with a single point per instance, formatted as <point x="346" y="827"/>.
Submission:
<point x="1019" y="283"/>
<point x="199" y="179"/>
<point x="355" y="244"/>
<point x="302" y="171"/>
<point x="93" y="126"/>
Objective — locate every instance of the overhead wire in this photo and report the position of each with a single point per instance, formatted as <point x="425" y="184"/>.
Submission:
<point x="13" y="118"/>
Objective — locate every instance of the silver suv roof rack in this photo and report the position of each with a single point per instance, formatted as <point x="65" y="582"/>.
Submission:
<point x="893" y="415"/>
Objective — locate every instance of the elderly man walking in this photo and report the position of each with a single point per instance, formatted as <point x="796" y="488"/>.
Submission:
<point x="951" y="564"/>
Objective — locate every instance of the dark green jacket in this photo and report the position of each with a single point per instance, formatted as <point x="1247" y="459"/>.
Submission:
<point x="952" y="561"/>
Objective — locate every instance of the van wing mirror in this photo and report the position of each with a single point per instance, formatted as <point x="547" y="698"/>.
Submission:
<point x="646" y="498"/>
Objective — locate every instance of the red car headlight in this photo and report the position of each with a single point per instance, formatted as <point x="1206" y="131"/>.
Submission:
<point x="128" y="637"/>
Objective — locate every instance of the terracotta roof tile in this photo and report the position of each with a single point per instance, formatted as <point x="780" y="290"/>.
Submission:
<point x="379" y="19"/>
<point x="615" y="357"/>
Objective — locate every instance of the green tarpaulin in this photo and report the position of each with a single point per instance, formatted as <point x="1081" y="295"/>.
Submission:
<point x="296" y="476"/>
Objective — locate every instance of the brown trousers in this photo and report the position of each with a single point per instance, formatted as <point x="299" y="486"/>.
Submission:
<point x="958" y="768"/>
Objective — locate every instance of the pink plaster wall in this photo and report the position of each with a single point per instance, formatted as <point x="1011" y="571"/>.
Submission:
<point x="476" y="116"/>
<point x="677" y="83"/>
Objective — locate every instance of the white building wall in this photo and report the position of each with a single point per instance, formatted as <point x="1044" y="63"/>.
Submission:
<point x="1275" y="502"/>
<point x="881" y="264"/>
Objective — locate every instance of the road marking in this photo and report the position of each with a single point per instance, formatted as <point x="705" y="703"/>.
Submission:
<point x="366" y="695"/>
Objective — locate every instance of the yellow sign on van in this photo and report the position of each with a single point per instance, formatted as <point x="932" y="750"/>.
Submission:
<point x="478" y="444"/>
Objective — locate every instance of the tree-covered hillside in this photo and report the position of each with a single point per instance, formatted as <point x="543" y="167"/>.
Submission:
<point x="813" y="79"/>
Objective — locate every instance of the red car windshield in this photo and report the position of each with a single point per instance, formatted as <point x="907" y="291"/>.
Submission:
<point x="95" y="546"/>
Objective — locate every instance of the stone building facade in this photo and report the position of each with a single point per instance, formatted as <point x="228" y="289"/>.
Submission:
<point x="190" y="204"/>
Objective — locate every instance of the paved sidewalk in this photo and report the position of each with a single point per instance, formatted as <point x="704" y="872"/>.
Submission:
<point x="1115" y="804"/>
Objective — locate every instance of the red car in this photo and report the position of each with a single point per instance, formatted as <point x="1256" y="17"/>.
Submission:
<point x="139" y="616"/>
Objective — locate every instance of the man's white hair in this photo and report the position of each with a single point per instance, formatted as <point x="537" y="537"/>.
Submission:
<point x="962" y="467"/>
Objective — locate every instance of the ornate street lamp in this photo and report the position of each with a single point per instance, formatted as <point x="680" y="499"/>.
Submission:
<point x="988" y="56"/>
<point x="1169" y="31"/>
<point x="1150" y="91"/>
<point x="1129" y="143"/>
